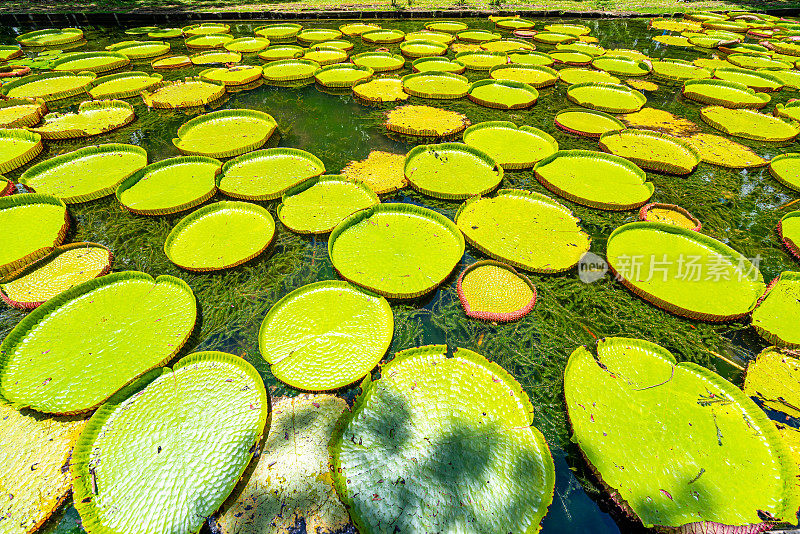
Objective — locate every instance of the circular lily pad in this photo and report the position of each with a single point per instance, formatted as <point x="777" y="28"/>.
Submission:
<point x="86" y="328"/>
<point x="290" y="70"/>
<point x="383" y="36"/>
<point x="437" y="64"/>
<point x="718" y="435"/>
<point x="21" y="112"/>
<point x="247" y="45"/>
<point x="396" y="250"/>
<point x="574" y="75"/>
<point x="652" y="150"/>
<point x="380" y="90"/>
<point x="345" y="75"/>
<point x="123" y="85"/>
<point x="788" y="230"/>
<point x="422" y="48"/>
<point x="514" y="23"/>
<point x="352" y="29"/>
<point x="50" y="37"/>
<point x="621" y="65"/>
<point x="554" y="38"/>
<point x="380" y="171"/>
<point x="220" y="236"/>
<point x="534" y="75"/>
<point x="587" y="122"/>
<point x="786" y="169"/>
<point x="174" y="62"/>
<point x="133" y="440"/>
<point x="225" y="133"/>
<point x="325" y="335"/>
<point x="49" y="86"/>
<point x="773" y="317"/>
<point x="477" y="36"/>
<point x="595" y="179"/>
<point x="678" y="71"/>
<point x="756" y="80"/>
<point x="749" y="61"/>
<point x="317" y="35"/>
<point x="527" y="230"/>
<point x="493" y="291"/>
<point x="439" y="85"/>
<point x="340" y="44"/>
<point x="205" y="28"/>
<point x="90" y="61"/>
<point x="208" y="41"/>
<point x="750" y="124"/>
<point x="282" y="31"/>
<point x="379" y="61"/>
<point x="215" y="57"/>
<point x="170" y="185"/>
<point x="481" y="61"/>
<point x="585" y="48"/>
<point x="669" y="214"/>
<point x="530" y="57"/>
<point x="94" y="117"/>
<point x="503" y="94"/>
<point x="724" y="93"/>
<point x="425" y="121"/>
<point x="9" y="52"/>
<point x="165" y="33"/>
<point x="87" y="173"/>
<point x="317" y="205"/>
<point x="33" y="224"/>
<point x="507" y="45"/>
<point x="791" y="110"/>
<point x="512" y="147"/>
<point x="66" y="266"/>
<point x="326" y="55"/>
<point x="661" y="121"/>
<point x="232" y="76"/>
<point x="18" y="147"/>
<point x="695" y="292"/>
<point x="571" y="29"/>
<point x="771" y="379"/>
<point x="188" y="93"/>
<point x="452" y="171"/>
<point x="719" y="150"/>
<point x="570" y="57"/>
<point x="449" y="26"/>
<point x="141" y="49"/>
<point x="268" y="174"/>
<point x="415" y="422"/>
<point x="608" y="97"/>
<point x="281" y="52"/>
<point x="673" y="40"/>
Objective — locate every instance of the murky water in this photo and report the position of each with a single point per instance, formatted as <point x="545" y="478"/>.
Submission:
<point x="738" y="207"/>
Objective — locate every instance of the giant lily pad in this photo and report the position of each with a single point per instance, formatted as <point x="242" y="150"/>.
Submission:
<point x="621" y="65"/>
<point x="208" y="41"/>
<point x="773" y="380"/>
<point x="481" y="60"/>
<point x="530" y="57"/>
<point x="414" y="421"/>
<point x="226" y="133"/>
<point x="50" y="86"/>
<point x="325" y="55"/>
<point x="317" y="205"/>
<point x="85" y="328"/>
<point x="317" y="35"/>
<point x="786" y="169"/>
<point x="18" y="147"/>
<point x="182" y="94"/>
<point x="774" y="316"/>
<point x="287" y="70"/>
<point x="534" y="75"/>
<point x="281" y="52"/>
<point x="527" y="230"/>
<point x="570" y="57"/>
<point x="379" y="61"/>
<point x="503" y="94"/>
<point x="94" y="117"/>
<point x="608" y="97"/>
<point x="170" y="185"/>
<point x="573" y="75"/>
<point x="494" y="291"/>
<point x="383" y="36"/>
<point x="719" y="150"/>
<point x="66" y="266"/>
<point x="512" y="147"/>
<point x="35" y="453"/>
<point x="123" y="85"/>
<point x="352" y="29"/>
<point x="232" y="76"/>
<point x="396" y="250"/>
<point x="268" y="174"/>
<point x="283" y="31"/>
<point x="292" y="478"/>
<point x="652" y="150"/>
<point x="142" y="49"/>
<point x="33" y="224"/>
<point x="750" y="124"/>
<point x="750" y="61"/>
<point x="790" y="110"/>
<point x="724" y="93"/>
<point x="345" y="75"/>
<point x="247" y="45"/>
<point x="677" y="70"/>
<point x="554" y="38"/>
<point x="477" y="36"/>
<point x="205" y="28"/>
<point x="756" y="80"/>
<point x="133" y="441"/>
<point x="87" y="173"/>
<point x="433" y="84"/>
<point x="215" y="57"/>
<point x="325" y="335"/>
<point x="595" y="179"/>
<point x="449" y="26"/>
<point x="380" y="171"/>
<point x="659" y="120"/>
<point x="683" y="271"/>
<point x="380" y="90"/>
<point x="425" y="121"/>
<point x="50" y="37"/>
<point x="423" y="48"/>
<point x="715" y="435"/>
<point x="452" y="171"/>
<point x="21" y="112"/>
<point x="220" y="236"/>
<point x="173" y="62"/>
<point x="9" y="52"/>
<point x="90" y="61"/>
<point x="587" y="122"/>
<point x="789" y="231"/>
<point x="789" y="78"/>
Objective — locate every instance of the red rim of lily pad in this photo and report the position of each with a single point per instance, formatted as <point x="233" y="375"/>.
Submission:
<point x="19" y="70"/>
<point x="793" y="247"/>
<point x="493" y="316"/>
<point x="647" y="207"/>
<point x="7" y="189"/>
<point x="524" y="34"/>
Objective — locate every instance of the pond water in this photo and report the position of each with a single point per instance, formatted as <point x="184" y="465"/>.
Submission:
<point x="738" y="207"/>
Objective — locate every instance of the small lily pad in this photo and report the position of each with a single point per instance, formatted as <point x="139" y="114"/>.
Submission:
<point x="425" y="121"/>
<point x="493" y="291"/>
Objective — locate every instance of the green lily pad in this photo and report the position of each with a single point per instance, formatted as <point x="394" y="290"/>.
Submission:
<point x="247" y="45"/>
<point x="481" y="60"/>
<point x="396" y="250"/>
<point x="724" y="93"/>
<point x="208" y="40"/>
<point x="451" y="171"/>
<point x="351" y="29"/>
<point x="536" y="76"/>
<point x="86" y="328"/>
<point x="326" y="55"/>
<point x="573" y="75"/>
<point x="173" y="62"/>
<point x="652" y="150"/>
<point x="554" y="38"/>
<point x="437" y="64"/>
<point x="570" y="57"/>
<point x="530" y="57"/>
<point x="268" y="174"/>
<point x="595" y="179"/>
<point x="141" y="30"/>
<point x="507" y="45"/>
<point x="379" y="61"/>
<point x="282" y="31"/>
<point x="380" y="91"/>
<point x="587" y="122"/>
<point x="94" y="117"/>
<point x="87" y="173"/>
<point x="317" y="35"/>
<point x="772" y="379"/>
<point x="503" y="94"/>
<point x="789" y="231"/>
<point x="50" y="37"/>
<point x="449" y="26"/>
<point x="514" y="23"/>
<point x="773" y="317"/>
<point x="786" y="169"/>
<point x="170" y="185"/>
<point x="422" y="48"/>
<point x="571" y="29"/>
<point x="716" y="434"/>
<point x="383" y="36"/>
<point x="789" y="78"/>
<point x="50" y="86"/>
<point x="141" y="49"/>
<point x="750" y="124"/>
<point x="215" y="57"/>
<point x="134" y="441"/>
<point x="205" y="28"/>
<point x="608" y="97"/>
<point x="512" y="147"/>
<point x="33" y="224"/>
<point x="585" y="48"/>
<point x="9" y="52"/>
<point x="225" y="133"/>
<point x="281" y="52"/>
<point x="325" y="335"/>
<point x="290" y="70"/>
<point x="434" y="84"/>
<point x="621" y="65"/>
<point x="477" y="36"/>
<point x="232" y="76"/>
<point x="18" y="147"/>
<point x="317" y="205"/>
<point x="749" y="61"/>
<point x="678" y="71"/>
<point x="673" y="40"/>
<point x="683" y="271"/>
<point x="756" y="80"/>
<point x="165" y="33"/>
<point x="188" y="93"/>
<point x="123" y="85"/>
<point x="345" y="75"/>
<point x="527" y="230"/>
<point x="220" y="236"/>
<point x="90" y="61"/>
<point x="414" y="422"/>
